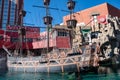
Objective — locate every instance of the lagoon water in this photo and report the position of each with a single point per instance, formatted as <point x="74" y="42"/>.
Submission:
<point x="56" y="76"/>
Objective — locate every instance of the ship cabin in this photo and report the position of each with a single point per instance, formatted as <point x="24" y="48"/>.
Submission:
<point x="62" y="36"/>
<point x="35" y="42"/>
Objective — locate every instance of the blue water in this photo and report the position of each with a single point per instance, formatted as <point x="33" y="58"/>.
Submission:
<point x="56" y="76"/>
<point x="32" y="76"/>
<point x="111" y="76"/>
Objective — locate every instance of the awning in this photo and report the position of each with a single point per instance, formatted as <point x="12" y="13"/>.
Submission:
<point x="84" y="31"/>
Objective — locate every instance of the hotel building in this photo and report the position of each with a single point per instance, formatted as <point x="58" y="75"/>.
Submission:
<point x="10" y="12"/>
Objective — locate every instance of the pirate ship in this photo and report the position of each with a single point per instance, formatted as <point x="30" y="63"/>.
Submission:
<point x="57" y="57"/>
<point x="64" y="48"/>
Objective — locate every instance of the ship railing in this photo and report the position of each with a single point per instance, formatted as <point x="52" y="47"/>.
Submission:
<point x="15" y="59"/>
<point x="52" y="60"/>
<point x="76" y="60"/>
<point x="81" y="60"/>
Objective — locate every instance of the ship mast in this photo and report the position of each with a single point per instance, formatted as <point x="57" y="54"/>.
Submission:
<point x="21" y="31"/>
<point x="71" y="23"/>
<point x="47" y="21"/>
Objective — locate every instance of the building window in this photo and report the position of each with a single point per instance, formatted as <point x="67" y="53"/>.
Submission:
<point x="13" y="39"/>
<point x="62" y="33"/>
<point x="28" y="40"/>
<point x="3" y="25"/>
<point x="13" y="1"/>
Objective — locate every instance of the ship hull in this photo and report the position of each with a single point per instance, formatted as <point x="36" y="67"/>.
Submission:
<point x="55" y="65"/>
<point x="68" y="64"/>
<point x="3" y="64"/>
<point x="50" y="69"/>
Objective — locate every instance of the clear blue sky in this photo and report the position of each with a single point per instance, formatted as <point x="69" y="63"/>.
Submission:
<point x="35" y="15"/>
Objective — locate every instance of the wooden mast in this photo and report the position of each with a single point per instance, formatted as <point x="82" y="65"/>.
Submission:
<point x="47" y="21"/>
<point x="71" y="23"/>
<point x="21" y="31"/>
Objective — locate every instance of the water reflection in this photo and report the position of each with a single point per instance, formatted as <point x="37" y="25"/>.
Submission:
<point x="101" y="77"/>
<point x="58" y="76"/>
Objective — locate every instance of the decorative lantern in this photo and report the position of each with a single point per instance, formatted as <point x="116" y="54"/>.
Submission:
<point x="47" y="20"/>
<point x="46" y="2"/>
<point x="71" y="5"/>
<point x="71" y="23"/>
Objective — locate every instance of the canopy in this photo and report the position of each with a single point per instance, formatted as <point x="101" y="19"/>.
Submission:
<point x="84" y="31"/>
